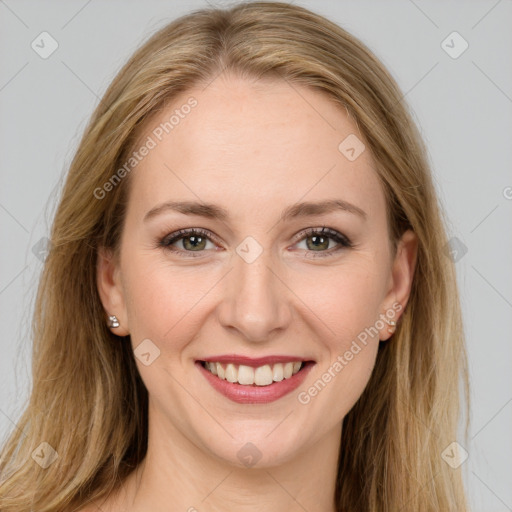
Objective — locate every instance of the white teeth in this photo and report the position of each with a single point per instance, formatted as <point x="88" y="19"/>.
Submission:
<point x="263" y="375"/>
<point x="245" y="375"/>
<point x="278" y="372"/>
<point x="231" y="373"/>
<point x="260" y="376"/>
<point x="288" y="370"/>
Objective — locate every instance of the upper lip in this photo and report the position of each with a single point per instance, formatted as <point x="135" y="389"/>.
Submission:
<point x="253" y="361"/>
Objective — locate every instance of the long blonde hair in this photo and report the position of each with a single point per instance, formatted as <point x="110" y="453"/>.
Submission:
<point x="88" y="401"/>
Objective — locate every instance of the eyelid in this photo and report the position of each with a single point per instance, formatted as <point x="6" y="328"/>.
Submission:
<point x="324" y="230"/>
<point x="183" y="233"/>
<point x="342" y="240"/>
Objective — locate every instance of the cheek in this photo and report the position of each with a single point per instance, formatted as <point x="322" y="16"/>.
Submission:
<point x="345" y="298"/>
<point x="163" y="300"/>
<point x="350" y="308"/>
<point x="166" y="301"/>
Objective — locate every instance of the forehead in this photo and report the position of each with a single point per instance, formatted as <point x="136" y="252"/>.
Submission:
<point x="256" y="144"/>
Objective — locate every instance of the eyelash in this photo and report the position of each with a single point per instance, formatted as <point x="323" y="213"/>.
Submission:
<point x="168" y="240"/>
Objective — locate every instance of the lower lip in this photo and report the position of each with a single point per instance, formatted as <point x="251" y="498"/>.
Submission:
<point x="243" y="394"/>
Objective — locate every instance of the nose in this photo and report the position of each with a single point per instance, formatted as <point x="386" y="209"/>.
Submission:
<point x="255" y="304"/>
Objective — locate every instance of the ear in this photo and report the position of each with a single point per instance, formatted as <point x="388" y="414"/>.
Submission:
<point x="401" y="278"/>
<point x="108" y="280"/>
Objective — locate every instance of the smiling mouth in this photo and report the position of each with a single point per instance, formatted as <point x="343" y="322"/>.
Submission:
<point x="264" y="375"/>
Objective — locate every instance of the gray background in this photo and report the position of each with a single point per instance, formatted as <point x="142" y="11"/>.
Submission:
<point x="463" y="107"/>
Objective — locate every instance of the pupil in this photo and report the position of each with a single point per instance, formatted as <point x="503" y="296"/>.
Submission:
<point x="319" y="241"/>
<point x="195" y="242"/>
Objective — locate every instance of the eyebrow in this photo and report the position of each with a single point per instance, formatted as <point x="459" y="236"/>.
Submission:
<point x="212" y="211"/>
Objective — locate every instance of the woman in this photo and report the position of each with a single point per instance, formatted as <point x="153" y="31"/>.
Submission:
<point x="246" y="305"/>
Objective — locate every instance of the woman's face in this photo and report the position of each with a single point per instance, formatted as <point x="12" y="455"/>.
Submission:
<point x="254" y="283"/>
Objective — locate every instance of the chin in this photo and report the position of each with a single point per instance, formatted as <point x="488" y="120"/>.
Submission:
<point x="260" y="450"/>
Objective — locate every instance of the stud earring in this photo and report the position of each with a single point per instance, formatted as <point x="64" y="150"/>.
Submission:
<point x="391" y="329"/>
<point x="113" y="321"/>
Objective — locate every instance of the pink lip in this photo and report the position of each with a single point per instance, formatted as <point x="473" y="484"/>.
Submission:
<point x="255" y="394"/>
<point x="254" y="362"/>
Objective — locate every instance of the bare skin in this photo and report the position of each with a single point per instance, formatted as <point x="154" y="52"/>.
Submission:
<point x="253" y="148"/>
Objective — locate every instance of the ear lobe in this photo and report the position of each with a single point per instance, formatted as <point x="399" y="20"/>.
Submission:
<point x="110" y="289"/>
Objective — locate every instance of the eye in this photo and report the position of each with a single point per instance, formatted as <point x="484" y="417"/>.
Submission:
<point x="318" y="241"/>
<point x="193" y="240"/>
